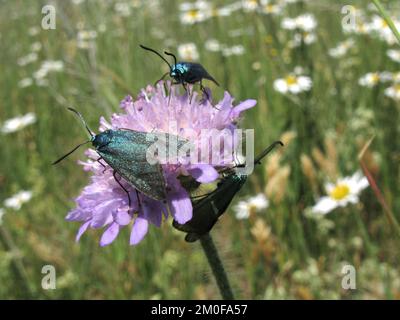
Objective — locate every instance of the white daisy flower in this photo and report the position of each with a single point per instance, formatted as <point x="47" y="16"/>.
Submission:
<point x="17" y="200"/>
<point x="381" y="27"/>
<point x="370" y="79"/>
<point x="244" y="208"/>
<point x="293" y="84"/>
<point x="342" y="193"/>
<point x="18" y="123"/>
<point x="305" y="22"/>
<point x="195" y="16"/>
<point x="33" y="31"/>
<point x="271" y="8"/>
<point x="236" y="50"/>
<point x="393" y="92"/>
<point x="304" y="37"/>
<point x="202" y="5"/>
<point x="212" y="45"/>
<point x="288" y="23"/>
<point x="86" y="35"/>
<point x="36" y="46"/>
<point x="29" y="58"/>
<point x="52" y="65"/>
<point x="46" y="67"/>
<point x="249" y="5"/>
<point x="85" y="38"/>
<point x="188" y="51"/>
<point x="26" y="82"/>
<point x="341" y="49"/>
<point x="394" y="55"/>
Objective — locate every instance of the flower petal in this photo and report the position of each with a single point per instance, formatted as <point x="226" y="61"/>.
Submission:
<point x="324" y="205"/>
<point x="179" y="201"/>
<point x="82" y="229"/>
<point x="203" y="173"/>
<point x="122" y="217"/>
<point x="110" y="234"/>
<point x="139" y="230"/>
<point x="247" y="104"/>
<point x="152" y="210"/>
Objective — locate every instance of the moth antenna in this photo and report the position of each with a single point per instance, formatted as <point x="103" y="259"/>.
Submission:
<point x="258" y="159"/>
<point x="171" y="54"/>
<point x="66" y="155"/>
<point x="154" y="51"/>
<point x="83" y="121"/>
<point x="266" y="151"/>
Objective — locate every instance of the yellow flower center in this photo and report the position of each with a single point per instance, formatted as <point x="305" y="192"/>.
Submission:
<point x="291" y="80"/>
<point x="340" y="192"/>
<point x="193" y="14"/>
<point x="397" y="88"/>
<point x="269" y="7"/>
<point x="375" y="78"/>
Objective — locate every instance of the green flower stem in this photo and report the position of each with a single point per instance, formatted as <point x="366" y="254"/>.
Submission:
<point x="216" y="265"/>
<point x="387" y="18"/>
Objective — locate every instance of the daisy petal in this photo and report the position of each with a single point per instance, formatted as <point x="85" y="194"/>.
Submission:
<point x="324" y="205"/>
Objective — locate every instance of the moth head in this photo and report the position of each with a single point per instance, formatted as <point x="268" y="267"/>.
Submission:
<point x="102" y="139"/>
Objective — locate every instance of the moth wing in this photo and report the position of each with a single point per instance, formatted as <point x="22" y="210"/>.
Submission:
<point x="197" y="72"/>
<point x="207" y="210"/>
<point x="126" y="154"/>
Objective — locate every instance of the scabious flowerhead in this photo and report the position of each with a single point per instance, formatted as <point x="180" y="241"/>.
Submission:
<point x="104" y="204"/>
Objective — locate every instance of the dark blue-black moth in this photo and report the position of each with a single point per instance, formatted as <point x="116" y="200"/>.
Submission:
<point x="124" y="150"/>
<point x="184" y="72"/>
<point x="208" y="209"/>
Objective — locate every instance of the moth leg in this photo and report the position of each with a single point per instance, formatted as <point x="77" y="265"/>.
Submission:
<point x="162" y="78"/>
<point x="102" y="164"/>
<point x="185" y="87"/>
<point x="203" y="89"/>
<point x="127" y="193"/>
<point x="138" y="199"/>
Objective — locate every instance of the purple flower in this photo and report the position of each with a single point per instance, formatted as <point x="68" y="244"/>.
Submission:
<point x="104" y="204"/>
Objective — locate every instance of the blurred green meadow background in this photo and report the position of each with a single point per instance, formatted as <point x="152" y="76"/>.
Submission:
<point x="338" y="89"/>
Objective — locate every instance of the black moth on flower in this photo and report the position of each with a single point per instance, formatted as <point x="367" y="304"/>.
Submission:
<point x="184" y="72"/>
